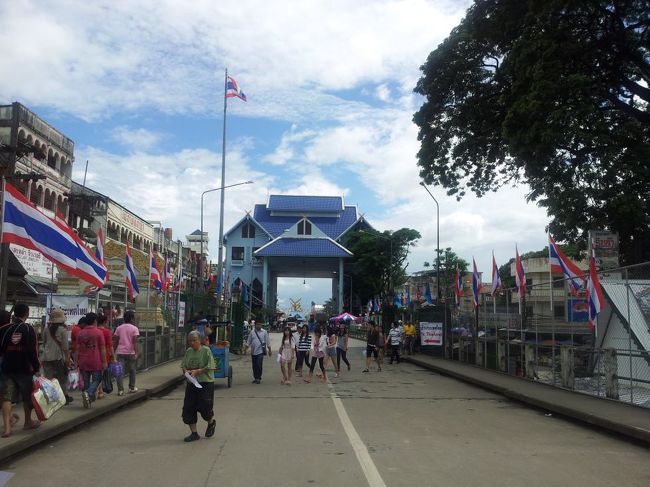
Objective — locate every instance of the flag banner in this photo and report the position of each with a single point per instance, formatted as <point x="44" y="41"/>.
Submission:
<point x="232" y="89"/>
<point x="520" y="275"/>
<point x="427" y="294"/>
<point x="408" y="296"/>
<point x="369" y="307"/>
<point x="560" y="263"/>
<point x="476" y="285"/>
<point x="594" y="292"/>
<point x="396" y="301"/>
<point x="458" y="286"/>
<point x="23" y="224"/>
<point x="131" y="279"/>
<point x="99" y="251"/>
<point x="156" y="278"/>
<point x="496" y="278"/>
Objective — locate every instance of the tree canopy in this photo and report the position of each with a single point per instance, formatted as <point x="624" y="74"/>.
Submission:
<point x="372" y="270"/>
<point x="554" y="94"/>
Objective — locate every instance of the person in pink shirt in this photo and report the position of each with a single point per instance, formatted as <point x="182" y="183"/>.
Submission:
<point x="91" y="358"/>
<point x="126" y="349"/>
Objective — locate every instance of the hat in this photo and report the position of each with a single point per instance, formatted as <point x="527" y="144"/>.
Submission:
<point x="57" y="315"/>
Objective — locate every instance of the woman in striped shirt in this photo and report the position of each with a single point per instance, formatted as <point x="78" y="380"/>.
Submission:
<point x="303" y="345"/>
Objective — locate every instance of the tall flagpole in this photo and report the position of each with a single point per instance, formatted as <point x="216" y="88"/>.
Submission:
<point x="223" y="182"/>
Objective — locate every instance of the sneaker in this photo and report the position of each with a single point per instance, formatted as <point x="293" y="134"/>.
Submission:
<point x="193" y="437"/>
<point x="68" y="400"/>
<point x="212" y="425"/>
<point x="365" y="370"/>
<point x="86" y="399"/>
<point x="120" y="393"/>
<point x="131" y="391"/>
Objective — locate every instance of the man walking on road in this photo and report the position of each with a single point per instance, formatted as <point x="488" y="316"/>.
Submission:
<point x="395" y="340"/>
<point x="259" y="342"/>
<point x="126" y="349"/>
<point x="19" y="351"/>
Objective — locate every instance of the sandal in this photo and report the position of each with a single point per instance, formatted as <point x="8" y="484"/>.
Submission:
<point x="34" y="425"/>
<point x="308" y="381"/>
<point x="14" y="419"/>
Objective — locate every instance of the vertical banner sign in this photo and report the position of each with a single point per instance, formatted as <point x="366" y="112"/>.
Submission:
<point x="431" y="334"/>
<point x="181" y="314"/>
<point x="74" y="306"/>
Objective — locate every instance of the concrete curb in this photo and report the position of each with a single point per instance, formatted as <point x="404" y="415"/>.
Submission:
<point x="590" y="418"/>
<point x="46" y="432"/>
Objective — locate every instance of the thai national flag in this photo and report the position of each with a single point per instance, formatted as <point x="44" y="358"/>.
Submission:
<point x="496" y="278"/>
<point x="156" y="278"/>
<point x="594" y="292"/>
<point x="476" y="285"/>
<point x="458" y="286"/>
<point x="23" y="224"/>
<point x="232" y="89"/>
<point x="99" y="251"/>
<point x="131" y="279"/>
<point x="560" y="263"/>
<point x="180" y="283"/>
<point x="520" y="275"/>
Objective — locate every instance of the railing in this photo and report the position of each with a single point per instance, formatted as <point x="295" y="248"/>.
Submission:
<point x="610" y="360"/>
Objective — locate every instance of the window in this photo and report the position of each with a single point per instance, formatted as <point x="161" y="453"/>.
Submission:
<point x="304" y="227"/>
<point x="237" y="253"/>
<point x="248" y="230"/>
<point x="558" y="283"/>
<point x="558" y="310"/>
<point x="256" y="260"/>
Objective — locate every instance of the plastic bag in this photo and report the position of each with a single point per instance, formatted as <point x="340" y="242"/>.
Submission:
<point x="116" y="369"/>
<point x="74" y="380"/>
<point x="50" y="391"/>
<point x="278" y="359"/>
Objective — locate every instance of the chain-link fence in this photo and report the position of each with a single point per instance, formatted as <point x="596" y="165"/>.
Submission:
<point x="546" y="337"/>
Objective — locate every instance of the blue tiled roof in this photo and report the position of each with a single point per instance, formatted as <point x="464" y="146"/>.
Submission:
<point x="331" y="226"/>
<point x="302" y="247"/>
<point x="307" y="204"/>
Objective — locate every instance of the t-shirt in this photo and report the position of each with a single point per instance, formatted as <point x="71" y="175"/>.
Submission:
<point x="127" y="334"/>
<point x="18" y="347"/>
<point x="74" y="333"/>
<point x="409" y="329"/>
<point x="395" y="336"/>
<point x="108" y="341"/>
<point x="89" y="343"/>
<point x="255" y="341"/>
<point x="199" y="359"/>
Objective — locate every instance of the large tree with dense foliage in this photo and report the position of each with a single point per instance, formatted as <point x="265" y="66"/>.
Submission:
<point x="373" y="271"/>
<point x="552" y="93"/>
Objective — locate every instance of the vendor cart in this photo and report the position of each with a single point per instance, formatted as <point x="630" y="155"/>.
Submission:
<point x="223" y="369"/>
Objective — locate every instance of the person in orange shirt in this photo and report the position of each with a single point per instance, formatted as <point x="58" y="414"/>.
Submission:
<point x="409" y="337"/>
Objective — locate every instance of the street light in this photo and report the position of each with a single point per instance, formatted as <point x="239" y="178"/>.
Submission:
<point x="437" y="242"/>
<point x="202" y="195"/>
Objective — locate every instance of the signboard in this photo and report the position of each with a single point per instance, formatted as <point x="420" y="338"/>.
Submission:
<point x="431" y="334"/>
<point x="181" y="314"/>
<point x="604" y="245"/>
<point x="33" y="261"/>
<point x="578" y="310"/>
<point x="74" y="306"/>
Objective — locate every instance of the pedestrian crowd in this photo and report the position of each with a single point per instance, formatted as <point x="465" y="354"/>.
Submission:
<point x="86" y="356"/>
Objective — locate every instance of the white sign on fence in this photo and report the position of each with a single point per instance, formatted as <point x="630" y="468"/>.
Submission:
<point x="430" y="334"/>
<point x="74" y="306"/>
<point x="181" y="314"/>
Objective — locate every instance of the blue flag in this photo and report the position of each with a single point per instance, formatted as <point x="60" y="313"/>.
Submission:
<point x="427" y="293"/>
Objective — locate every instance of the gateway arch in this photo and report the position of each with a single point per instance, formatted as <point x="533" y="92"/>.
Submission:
<point x="290" y="236"/>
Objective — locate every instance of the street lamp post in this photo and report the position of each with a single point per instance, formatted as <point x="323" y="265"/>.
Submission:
<point x="202" y="195"/>
<point x="437" y="242"/>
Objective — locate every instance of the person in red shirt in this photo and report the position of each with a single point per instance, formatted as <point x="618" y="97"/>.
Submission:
<point x="102" y="325"/>
<point x="74" y="333"/>
<point x="91" y="358"/>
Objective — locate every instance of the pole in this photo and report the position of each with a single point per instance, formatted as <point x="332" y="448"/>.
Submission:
<point x="437" y="241"/>
<point x="223" y="180"/>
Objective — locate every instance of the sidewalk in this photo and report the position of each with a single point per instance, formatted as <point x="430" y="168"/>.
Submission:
<point x="150" y="382"/>
<point x="613" y="416"/>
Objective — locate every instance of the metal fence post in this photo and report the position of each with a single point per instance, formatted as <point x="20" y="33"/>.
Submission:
<point x="629" y="334"/>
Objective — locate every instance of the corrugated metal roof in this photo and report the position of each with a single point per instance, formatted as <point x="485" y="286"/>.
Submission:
<point x="625" y="297"/>
<point x="307" y="204"/>
<point x="333" y="227"/>
<point x="302" y="247"/>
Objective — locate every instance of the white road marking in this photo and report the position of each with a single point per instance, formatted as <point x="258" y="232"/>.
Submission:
<point x="367" y="465"/>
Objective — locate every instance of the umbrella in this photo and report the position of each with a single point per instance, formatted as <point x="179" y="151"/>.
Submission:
<point x="345" y="317"/>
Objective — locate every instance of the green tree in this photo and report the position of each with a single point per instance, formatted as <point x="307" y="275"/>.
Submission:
<point x="372" y="269"/>
<point x="449" y="260"/>
<point x="554" y="94"/>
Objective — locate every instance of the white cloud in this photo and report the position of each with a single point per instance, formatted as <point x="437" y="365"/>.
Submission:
<point x="140" y="140"/>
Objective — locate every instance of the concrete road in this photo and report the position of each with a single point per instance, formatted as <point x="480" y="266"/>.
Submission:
<point x="403" y="426"/>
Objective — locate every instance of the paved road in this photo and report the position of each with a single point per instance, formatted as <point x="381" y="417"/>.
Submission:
<point x="403" y="426"/>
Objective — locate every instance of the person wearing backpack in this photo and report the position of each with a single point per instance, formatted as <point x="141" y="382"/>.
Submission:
<point x="56" y="356"/>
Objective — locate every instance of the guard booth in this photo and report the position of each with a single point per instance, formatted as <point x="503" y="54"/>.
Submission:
<point x="433" y="323"/>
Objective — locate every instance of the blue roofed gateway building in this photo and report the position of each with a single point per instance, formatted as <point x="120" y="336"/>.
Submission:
<point x="290" y="236"/>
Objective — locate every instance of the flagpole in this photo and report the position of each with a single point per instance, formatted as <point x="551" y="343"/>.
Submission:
<point x="223" y="179"/>
<point x="149" y="282"/>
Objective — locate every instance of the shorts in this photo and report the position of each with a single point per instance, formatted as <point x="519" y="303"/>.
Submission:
<point x="331" y="352"/>
<point x="198" y="401"/>
<point x="370" y="351"/>
<point x="17" y="386"/>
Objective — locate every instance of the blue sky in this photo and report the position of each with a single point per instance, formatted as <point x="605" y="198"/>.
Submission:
<point x="138" y="86"/>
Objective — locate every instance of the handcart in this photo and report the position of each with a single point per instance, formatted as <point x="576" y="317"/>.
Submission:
<point x="223" y="369"/>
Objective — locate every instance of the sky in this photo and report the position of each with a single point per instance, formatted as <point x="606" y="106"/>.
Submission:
<point x="138" y="85"/>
